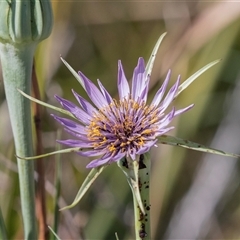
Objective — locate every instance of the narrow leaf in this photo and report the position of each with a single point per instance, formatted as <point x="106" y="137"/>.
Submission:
<point x="91" y="177"/>
<point x="153" y="55"/>
<point x="75" y="74"/>
<point x="191" y="79"/>
<point x="174" y="141"/>
<point x="57" y="237"/>
<point x="46" y="104"/>
<point x="68" y="150"/>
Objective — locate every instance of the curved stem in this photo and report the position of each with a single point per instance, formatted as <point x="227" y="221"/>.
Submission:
<point x="17" y="67"/>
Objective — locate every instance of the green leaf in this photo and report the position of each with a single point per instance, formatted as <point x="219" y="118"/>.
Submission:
<point x="153" y="55"/>
<point x="91" y="177"/>
<point x="191" y="79"/>
<point x="75" y="74"/>
<point x="68" y="150"/>
<point x="47" y="105"/>
<point x="174" y="141"/>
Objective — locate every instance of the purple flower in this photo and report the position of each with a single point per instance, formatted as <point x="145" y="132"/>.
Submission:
<point x="111" y="129"/>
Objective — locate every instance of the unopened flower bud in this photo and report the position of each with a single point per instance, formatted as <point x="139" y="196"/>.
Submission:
<point x="25" y="21"/>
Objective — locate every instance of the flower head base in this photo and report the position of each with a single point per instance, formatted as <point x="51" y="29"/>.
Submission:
<point x="114" y="129"/>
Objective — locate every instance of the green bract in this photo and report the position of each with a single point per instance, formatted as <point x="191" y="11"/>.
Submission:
<point x="25" y="21"/>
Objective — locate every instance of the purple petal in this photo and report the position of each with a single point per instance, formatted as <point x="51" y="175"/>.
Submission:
<point x="139" y="79"/>
<point x="146" y="147"/>
<point x="145" y="92"/>
<point x="142" y="150"/>
<point x="92" y="153"/>
<point x="163" y="131"/>
<point x="82" y="137"/>
<point x="70" y="124"/>
<point x="84" y="104"/>
<point x="107" y="158"/>
<point x="75" y="110"/>
<point x="159" y="95"/>
<point x="180" y="111"/>
<point x="132" y="153"/>
<point x="93" y="92"/>
<point x="117" y="157"/>
<point x="76" y="143"/>
<point x="98" y="162"/>
<point x="171" y="94"/>
<point x="123" y="86"/>
<point x="167" y="119"/>
<point x="105" y="93"/>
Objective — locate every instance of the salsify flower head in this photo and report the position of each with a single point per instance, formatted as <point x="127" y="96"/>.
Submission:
<point x="111" y="129"/>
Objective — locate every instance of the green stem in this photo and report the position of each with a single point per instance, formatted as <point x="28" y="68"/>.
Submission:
<point x="138" y="175"/>
<point x="142" y="220"/>
<point x="17" y="68"/>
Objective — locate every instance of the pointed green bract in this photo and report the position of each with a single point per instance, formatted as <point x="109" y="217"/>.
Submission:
<point x="91" y="177"/>
<point x="191" y="79"/>
<point x="149" y="65"/>
<point x="68" y="150"/>
<point x="174" y="141"/>
<point x="47" y="105"/>
<point x="151" y="60"/>
<point x="75" y="74"/>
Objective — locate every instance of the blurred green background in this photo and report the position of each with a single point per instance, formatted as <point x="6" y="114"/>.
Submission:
<point x="193" y="195"/>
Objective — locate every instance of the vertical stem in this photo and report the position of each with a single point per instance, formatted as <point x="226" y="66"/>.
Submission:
<point x="17" y="67"/>
<point x="138" y="177"/>
<point x="142" y="220"/>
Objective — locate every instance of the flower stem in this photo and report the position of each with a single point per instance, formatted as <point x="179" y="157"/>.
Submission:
<point x="138" y="175"/>
<point x="17" y="67"/>
<point x="142" y="220"/>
